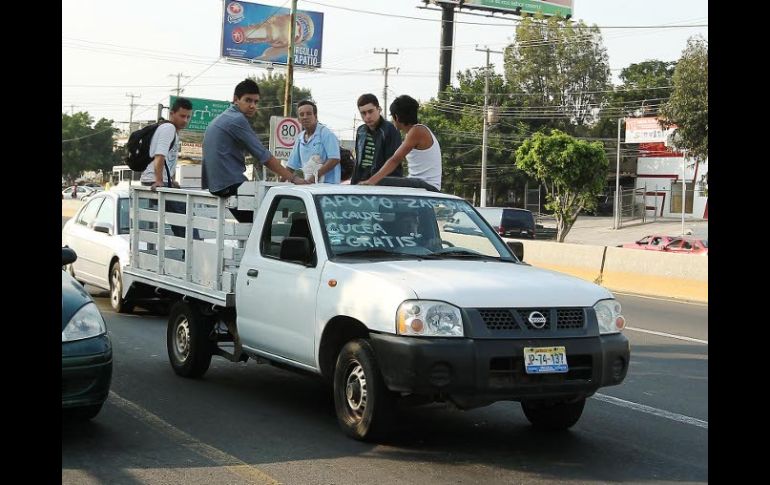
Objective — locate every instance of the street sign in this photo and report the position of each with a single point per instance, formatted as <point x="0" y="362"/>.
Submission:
<point x="203" y="111"/>
<point x="283" y="132"/>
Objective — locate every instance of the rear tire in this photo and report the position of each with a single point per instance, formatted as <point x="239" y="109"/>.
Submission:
<point x="187" y="340"/>
<point x="553" y="417"/>
<point x="365" y="407"/>
<point x="116" y="290"/>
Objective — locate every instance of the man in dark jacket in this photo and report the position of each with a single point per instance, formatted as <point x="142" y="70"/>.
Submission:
<point x="376" y="140"/>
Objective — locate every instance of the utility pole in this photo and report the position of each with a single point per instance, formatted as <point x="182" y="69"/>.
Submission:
<point x="178" y="77"/>
<point x="72" y="110"/>
<point x="483" y="197"/>
<point x="385" y="71"/>
<point x="290" y="61"/>
<point x="616" y="219"/>
<point x="131" y="115"/>
<point x="447" y="41"/>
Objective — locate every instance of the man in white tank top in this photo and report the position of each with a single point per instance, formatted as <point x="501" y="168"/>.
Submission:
<point x="420" y="148"/>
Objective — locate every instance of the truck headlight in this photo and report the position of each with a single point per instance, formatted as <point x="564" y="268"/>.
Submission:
<point x="86" y="323"/>
<point x="427" y="318"/>
<point x="608" y="313"/>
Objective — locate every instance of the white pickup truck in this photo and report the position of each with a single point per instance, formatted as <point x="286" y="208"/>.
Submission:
<point x="363" y="287"/>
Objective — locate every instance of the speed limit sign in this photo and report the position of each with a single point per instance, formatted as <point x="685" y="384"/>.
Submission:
<point x="283" y="132"/>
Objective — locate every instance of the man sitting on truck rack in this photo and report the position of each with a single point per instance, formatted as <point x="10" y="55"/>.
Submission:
<point x="224" y="142"/>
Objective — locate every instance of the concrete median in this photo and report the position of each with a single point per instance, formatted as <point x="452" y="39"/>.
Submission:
<point x="683" y="276"/>
<point x="581" y="260"/>
<point x="653" y="273"/>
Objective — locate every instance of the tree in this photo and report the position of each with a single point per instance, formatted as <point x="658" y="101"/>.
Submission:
<point x="572" y="171"/>
<point x="456" y="120"/>
<point x="688" y="106"/>
<point x="562" y="68"/>
<point x="85" y="146"/>
<point x="271" y="94"/>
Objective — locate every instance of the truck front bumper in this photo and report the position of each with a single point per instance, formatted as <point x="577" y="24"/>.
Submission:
<point x="476" y="372"/>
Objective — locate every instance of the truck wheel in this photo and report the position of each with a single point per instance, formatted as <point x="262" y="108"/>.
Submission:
<point x="364" y="405"/>
<point x="187" y="342"/>
<point x="116" y="290"/>
<point x="553" y="417"/>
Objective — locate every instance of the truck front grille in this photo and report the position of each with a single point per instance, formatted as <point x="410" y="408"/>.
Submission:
<point x="497" y="319"/>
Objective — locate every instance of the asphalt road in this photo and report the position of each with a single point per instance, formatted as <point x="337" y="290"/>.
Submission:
<point x="250" y="423"/>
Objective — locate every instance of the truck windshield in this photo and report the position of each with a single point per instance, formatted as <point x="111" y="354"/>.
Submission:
<point x="392" y="226"/>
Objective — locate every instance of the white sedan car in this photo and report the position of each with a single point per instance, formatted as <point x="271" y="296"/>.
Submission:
<point x="99" y="235"/>
<point x="83" y="192"/>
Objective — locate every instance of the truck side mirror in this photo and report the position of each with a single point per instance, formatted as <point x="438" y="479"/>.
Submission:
<point x="104" y="227"/>
<point x="518" y="249"/>
<point x="296" y="249"/>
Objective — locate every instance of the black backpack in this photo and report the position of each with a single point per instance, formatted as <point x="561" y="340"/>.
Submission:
<point x="138" y="148"/>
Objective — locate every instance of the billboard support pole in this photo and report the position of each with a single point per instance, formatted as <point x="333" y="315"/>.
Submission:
<point x="447" y="39"/>
<point x="290" y="61"/>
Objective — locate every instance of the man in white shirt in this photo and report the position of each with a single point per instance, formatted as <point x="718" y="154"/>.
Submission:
<point x="164" y="147"/>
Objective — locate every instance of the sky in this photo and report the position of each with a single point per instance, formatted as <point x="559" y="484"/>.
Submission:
<point x="113" y="48"/>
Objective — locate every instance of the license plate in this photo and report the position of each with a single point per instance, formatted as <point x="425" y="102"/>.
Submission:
<point x="545" y="360"/>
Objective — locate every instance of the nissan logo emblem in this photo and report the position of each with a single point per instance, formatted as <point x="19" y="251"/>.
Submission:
<point x="537" y="319"/>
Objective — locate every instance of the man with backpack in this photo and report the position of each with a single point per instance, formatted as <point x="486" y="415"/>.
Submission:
<point x="164" y="147"/>
<point x="163" y="151"/>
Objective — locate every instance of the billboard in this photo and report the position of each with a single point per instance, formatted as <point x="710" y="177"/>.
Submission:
<point x="646" y="130"/>
<point x="546" y="7"/>
<point x="255" y="32"/>
<point x="203" y="111"/>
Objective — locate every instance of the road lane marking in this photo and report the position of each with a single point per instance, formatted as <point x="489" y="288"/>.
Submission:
<point x="651" y="410"/>
<point x="670" y="335"/>
<point x="227" y="461"/>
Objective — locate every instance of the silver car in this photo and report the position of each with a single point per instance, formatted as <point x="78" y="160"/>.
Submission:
<point x="99" y="235"/>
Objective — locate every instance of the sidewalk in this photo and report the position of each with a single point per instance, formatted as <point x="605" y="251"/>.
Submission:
<point x="598" y="230"/>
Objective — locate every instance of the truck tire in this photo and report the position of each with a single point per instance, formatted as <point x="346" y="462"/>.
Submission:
<point x="187" y="340"/>
<point x="365" y="407"/>
<point x="553" y="417"/>
<point x="116" y="290"/>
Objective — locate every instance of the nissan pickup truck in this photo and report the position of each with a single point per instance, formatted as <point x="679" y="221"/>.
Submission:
<point x="363" y="287"/>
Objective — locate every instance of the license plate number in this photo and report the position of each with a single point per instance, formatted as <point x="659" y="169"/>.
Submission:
<point x="545" y="360"/>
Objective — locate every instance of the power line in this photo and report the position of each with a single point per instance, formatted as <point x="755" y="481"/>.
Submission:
<point x="383" y="14"/>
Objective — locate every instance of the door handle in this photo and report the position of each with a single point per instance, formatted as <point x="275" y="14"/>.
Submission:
<point x="252" y="273"/>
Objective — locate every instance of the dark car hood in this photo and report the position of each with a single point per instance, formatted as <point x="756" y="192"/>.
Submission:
<point x="73" y="297"/>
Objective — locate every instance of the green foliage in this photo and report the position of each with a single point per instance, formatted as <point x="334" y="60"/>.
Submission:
<point x="559" y="65"/>
<point x="85" y="145"/>
<point x="572" y="171"/>
<point x="688" y="106"/>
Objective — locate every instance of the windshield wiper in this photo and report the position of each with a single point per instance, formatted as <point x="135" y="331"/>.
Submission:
<point x="375" y="253"/>
<point x="462" y="253"/>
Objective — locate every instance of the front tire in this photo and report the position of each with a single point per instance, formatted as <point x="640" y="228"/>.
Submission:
<point x="187" y="340"/>
<point x="364" y="405"/>
<point x="116" y="290"/>
<point x="553" y="417"/>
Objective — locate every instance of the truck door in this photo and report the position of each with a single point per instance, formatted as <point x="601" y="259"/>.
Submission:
<point x="276" y="297"/>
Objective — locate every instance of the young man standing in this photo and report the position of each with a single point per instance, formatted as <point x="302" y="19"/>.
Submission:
<point x="316" y="150"/>
<point x="420" y="148"/>
<point x="164" y="147"/>
<point x="224" y="142"/>
<point x="376" y="140"/>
